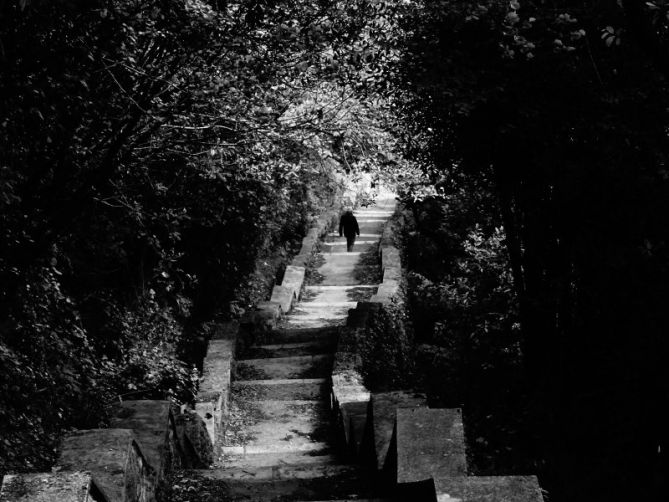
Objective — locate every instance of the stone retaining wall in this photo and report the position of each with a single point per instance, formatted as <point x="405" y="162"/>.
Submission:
<point x="128" y="462"/>
<point x="349" y="394"/>
<point x="416" y="450"/>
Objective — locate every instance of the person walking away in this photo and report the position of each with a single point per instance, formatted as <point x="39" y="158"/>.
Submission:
<point x="348" y="226"/>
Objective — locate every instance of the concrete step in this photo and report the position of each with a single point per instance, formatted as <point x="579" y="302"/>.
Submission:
<point x="290" y="349"/>
<point x="280" y="471"/>
<point x="290" y="334"/>
<point x="304" y="389"/>
<point x="343" y="242"/>
<point x="361" y="236"/>
<point x="320" y="287"/>
<point x="284" y="426"/>
<point x="325" y="483"/>
<point x="306" y="461"/>
<point x="281" y="368"/>
<point x="310" y="322"/>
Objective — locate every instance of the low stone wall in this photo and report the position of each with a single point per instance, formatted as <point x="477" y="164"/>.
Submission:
<point x="127" y="462"/>
<point x="415" y="449"/>
<point x="350" y="397"/>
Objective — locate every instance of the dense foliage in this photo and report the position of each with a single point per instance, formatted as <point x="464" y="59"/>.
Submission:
<point x="151" y="153"/>
<point x="548" y="119"/>
<point x="154" y="150"/>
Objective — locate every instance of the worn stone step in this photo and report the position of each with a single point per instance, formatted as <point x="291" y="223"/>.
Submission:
<point x="343" y="243"/>
<point x="329" y="466"/>
<point x="291" y="349"/>
<point x="288" y="334"/>
<point x="361" y="236"/>
<point x="320" y="287"/>
<point x="293" y="441"/>
<point x="313" y="366"/>
<point x="287" y="389"/>
<point x="313" y="320"/>
<point x="284" y="426"/>
<point x="353" y="255"/>
<point x="297" y="459"/>
<point x="328" y="483"/>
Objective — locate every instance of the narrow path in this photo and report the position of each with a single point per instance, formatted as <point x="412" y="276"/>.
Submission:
<point x="285" y="446"/>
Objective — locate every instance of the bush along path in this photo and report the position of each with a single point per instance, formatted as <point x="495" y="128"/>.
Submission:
<point x="291" y="418"/>
<point x="280" y="441"/>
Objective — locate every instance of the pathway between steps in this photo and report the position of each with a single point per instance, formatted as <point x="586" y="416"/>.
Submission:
<point x="283" y="445"/>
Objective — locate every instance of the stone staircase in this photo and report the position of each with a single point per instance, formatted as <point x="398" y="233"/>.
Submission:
<point x="282" y="386"/>
<point x="289" y="417"/>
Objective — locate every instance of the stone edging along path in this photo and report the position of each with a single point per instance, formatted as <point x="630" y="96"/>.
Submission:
<point x="417" y="450"/>
<point x="149" y="438"/>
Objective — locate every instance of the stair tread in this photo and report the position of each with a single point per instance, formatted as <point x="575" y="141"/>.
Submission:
<point x="299" y="367"/>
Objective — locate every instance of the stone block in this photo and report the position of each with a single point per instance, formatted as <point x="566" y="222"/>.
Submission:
<point x="354" y="415"/>
<point x="488" y="489"/>
<point x="390" y="257"/>
<point x="347" y="388"/>
<point x="115" y="459"/>
<point x="153" y="423"/>
<point x="386" y="292"/>
<point x="392" y="274"/>
<point x="293" y="278"/>
<point x="214" y="392"/>
<point x="430" y="444"/>
<point x="194" y="440"/>
<point x="383" y="413"/>
<point x="387" y="239"/>
<point x="301" y="260"/>
<point x="284" y="296"/>
<point x="78" y="486"/>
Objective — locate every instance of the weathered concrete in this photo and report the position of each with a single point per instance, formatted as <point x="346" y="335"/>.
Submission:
<point x="430" y="443"/>
<point x="386" y="292"/>
<point x="293" y="278"/>
<point x="290" y="389"/>
<point x="214" y="394"/>
<point x="392" y="274"/>
<point x="390" y="257"/>
<point x="115" y="459"/>
<point x="488" y="489"/>
<point x="153" y="423"/>
<point x="194" y="440"/>
<point x="280" y="384"/>
<point x="383" y="411"/>
<point x="51" y="487"/>
<point x="284" y="296"/>
<point x="311" y="366"/>
<point x="312" y="347"/>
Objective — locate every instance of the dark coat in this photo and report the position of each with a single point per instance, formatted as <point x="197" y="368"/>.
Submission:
<point x="348" y="225"/>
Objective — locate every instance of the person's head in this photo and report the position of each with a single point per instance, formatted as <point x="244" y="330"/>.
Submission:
<point x="348" y="209"/>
